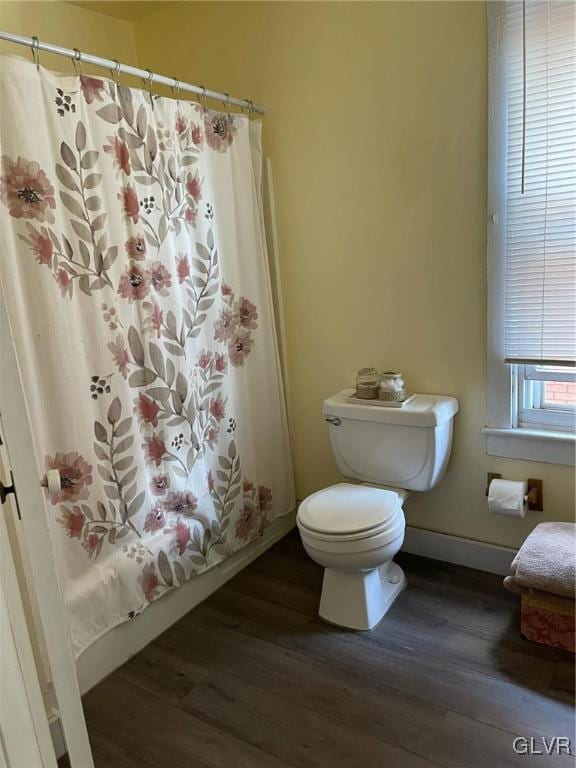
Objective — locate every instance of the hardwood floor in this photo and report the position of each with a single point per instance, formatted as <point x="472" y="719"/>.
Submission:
<point x="253" y="678"/>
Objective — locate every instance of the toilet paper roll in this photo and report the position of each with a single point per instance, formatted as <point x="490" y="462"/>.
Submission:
<point x="53" y="481"/>
<point x="507" y="497"/>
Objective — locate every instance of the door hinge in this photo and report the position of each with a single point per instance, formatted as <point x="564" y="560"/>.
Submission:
<point x="6" y="490"/>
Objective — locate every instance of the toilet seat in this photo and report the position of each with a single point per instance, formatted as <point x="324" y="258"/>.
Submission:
<point x="349" y="517"/>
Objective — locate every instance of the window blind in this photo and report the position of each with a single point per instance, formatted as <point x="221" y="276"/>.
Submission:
<point x="540" y="228"/>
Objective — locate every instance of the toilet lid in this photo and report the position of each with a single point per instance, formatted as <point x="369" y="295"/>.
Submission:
<point x="345" y="508"/>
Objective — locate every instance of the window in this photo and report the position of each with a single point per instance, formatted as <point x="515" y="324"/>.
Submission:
<point x="546" y="397"/>
<point x="532" y="230"/>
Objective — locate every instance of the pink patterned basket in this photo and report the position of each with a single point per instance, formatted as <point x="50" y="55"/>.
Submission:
<point x="548" y="619"/>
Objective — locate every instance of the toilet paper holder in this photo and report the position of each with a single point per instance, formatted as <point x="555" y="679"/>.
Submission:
<point x="534" y="497"/>
<point x="52" y="481"/>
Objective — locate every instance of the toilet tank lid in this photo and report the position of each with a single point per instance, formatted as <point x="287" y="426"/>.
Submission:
<point x="422" y="411"/>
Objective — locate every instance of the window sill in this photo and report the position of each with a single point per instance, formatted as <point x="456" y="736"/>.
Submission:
<point x="531" y="444"/>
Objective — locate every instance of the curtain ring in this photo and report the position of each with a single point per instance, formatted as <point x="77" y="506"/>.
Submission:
<point x="203" y="98"/>
<point x="148" y="84"/>
<point x="250" y="108"/>
<point x="176" y="87"/>
<point x="227" y="102"/>
<point x="35" y="51"/>
<point x="115" y="73"/>
<point x="77" y="62"/>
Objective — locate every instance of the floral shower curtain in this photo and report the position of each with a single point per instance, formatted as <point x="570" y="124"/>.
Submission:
<point x="134" y="272"/>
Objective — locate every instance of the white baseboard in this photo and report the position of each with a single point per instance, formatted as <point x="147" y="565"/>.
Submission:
<point x="452" y="549"/>
<point x="122" y="642"/>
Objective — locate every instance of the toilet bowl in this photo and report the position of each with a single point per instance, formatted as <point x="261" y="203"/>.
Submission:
<point x="353" y="532"/>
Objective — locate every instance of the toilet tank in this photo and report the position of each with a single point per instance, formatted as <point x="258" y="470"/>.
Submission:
<point x="406" y="447"/>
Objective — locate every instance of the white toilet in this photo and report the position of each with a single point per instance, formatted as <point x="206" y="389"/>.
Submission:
<point x="354" y="531"/>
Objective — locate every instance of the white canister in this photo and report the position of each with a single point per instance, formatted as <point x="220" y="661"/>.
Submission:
<point x="392" y="386"/>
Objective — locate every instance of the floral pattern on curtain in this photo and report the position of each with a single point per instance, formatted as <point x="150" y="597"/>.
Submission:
<point x="135" y="277"/>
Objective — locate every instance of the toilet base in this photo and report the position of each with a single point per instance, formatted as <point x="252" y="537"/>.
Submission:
<point x="360" y="599"/>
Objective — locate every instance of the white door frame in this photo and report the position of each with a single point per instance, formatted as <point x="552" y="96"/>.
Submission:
<point x="24" y="732"/>
<point x="18" y="438"/>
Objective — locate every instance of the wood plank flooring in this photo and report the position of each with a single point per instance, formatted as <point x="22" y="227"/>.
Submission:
<point x="253" y="678"/>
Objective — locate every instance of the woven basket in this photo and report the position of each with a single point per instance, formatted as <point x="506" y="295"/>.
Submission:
<point x="398" y="397"/>
<point x="367" y="391"/>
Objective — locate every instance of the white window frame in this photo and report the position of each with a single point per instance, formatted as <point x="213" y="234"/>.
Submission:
<point x="507" y="433"/>
<point x="533" y="410"/>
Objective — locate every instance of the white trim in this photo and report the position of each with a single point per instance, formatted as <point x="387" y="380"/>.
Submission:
<point x="549" y="373"/>
<point x="25" y="571"/>
<point x="121" y="643"/>
<point x="38" y="540"/>
<point x="452" y="549"/>
<point x="531" y="445"/>
<point x="499" y="376"/>
<point x="18" y="652"/>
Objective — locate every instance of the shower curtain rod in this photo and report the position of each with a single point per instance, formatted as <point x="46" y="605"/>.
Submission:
<point x="116" y="68"/>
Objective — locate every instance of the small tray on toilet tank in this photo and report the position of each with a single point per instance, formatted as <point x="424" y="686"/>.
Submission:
<point x="381" y="403"/>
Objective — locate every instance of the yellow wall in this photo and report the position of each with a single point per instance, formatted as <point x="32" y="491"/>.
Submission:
<point x="377" y="132"/>
<point x="67" y="25"/>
